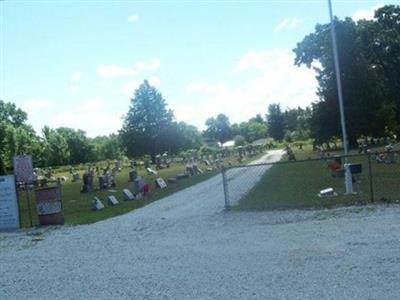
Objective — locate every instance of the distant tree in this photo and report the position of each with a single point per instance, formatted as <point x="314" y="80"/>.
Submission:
<point x="80" y="147"/>
<point x="239" y="140"/>
<point x="275" y="122"/>
<point x="55" y="147"/>
<point x="147" y="123"/>
<point x="188" y="137"/>
<point x="218" y="128"/>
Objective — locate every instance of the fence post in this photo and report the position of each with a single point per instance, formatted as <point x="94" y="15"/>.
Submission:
<point x="371" y="184"/>
<point x="225" y="186"/>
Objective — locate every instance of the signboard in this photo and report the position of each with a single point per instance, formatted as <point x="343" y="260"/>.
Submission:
<point x="9" y="217"/>
<point x="23" y="168"/>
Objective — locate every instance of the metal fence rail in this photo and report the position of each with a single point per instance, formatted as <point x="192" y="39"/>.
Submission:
<point x="297" y="184"/>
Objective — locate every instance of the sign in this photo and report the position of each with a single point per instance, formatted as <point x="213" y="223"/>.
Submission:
<point x="9" y="217"/>
<point x="23" y="168"/>
<point x="161" y="183"/>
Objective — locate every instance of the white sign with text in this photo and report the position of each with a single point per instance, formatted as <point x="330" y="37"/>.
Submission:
<point x="9" y="216"/>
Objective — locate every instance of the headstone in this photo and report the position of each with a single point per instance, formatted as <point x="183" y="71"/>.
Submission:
<point x="329" y="192"/>
<point x="112" y="200"/>
<point x="139" y="184"/>
<point x="128" y="194"/>
<point x="23" y="168"/>
<point x="97" y="204"/>
<point x="132" y="175"/>
<point x="151" y="171"/>
<point x="160" y="183"/>
<point x="75" y="177"/>
<point x="190" y="170"/>
<point x="102" y="182"/>
<point x="9" y="217"/>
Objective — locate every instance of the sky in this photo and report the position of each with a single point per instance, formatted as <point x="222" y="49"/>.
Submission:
<point x="78" y="63"/>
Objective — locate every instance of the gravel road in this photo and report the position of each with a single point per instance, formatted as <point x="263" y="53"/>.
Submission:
<point x="187" y="247"/>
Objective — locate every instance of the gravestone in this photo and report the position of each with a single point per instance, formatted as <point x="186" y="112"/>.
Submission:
<point x="160" y="183"/>
<point x="87" y="183"/>
<point x="75" y="177"/>
<point x="9" y="215"/>
<point x="97" y="204"/>
<point x="190" y="170"/>
<point x="197" y="170"/>
<point x="128" y="194"/>
<point x="132" y="175"/>
<point x="112" y="200"/>
<point x="139" y="184"/>
<point x="151" y="171"/>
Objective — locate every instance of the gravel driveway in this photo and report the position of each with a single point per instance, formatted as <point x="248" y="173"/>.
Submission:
<point x="187" y="247"/>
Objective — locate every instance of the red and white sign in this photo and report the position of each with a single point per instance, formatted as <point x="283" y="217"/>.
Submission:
<point x="23" y="168"/>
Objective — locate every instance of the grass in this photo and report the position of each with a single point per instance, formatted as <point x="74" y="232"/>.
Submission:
<point x="296" y="185"/>
<point x="77" y="206"/>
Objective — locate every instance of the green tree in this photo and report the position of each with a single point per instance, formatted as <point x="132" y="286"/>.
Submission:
<point x="275" y="122"/>
<point x="363" y="89"/>
<point x="218" y="129"/>
<point x="147" y="123"/>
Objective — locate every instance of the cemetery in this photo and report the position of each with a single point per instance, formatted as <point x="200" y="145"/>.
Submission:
<point x="105" y="189"/>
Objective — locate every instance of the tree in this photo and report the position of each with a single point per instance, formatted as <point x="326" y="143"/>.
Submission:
<point x="147" y="124"/>
<point x="218" y="129"/>
<point x="363" y="89"/>
<point x="188" y="137"/>
<point x="275" y="122"/>
<point x="80" y="148"/>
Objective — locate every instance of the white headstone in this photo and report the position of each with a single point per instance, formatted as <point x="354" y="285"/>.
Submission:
<point x="161" y="183"/>
<point x="112" y="200"/>
<point x="128" y="194"/>
<point x="151" y="171"/>
<point x="97" y="204"/>
<point x="9" y="216"/>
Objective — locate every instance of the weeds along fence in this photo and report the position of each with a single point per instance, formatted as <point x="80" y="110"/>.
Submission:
<point x="297" y="184"/>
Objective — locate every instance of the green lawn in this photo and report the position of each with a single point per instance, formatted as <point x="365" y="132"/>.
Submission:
<point x="296" y="185"/>
<point x="77" y="209"/>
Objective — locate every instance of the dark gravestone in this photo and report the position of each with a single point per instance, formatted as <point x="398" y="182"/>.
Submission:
<point x="132" y="175"/>
<point x="139" y="184"/>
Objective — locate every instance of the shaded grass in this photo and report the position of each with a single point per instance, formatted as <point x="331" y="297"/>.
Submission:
<point x="296" y="185"/>
<point x="77" y="206"/>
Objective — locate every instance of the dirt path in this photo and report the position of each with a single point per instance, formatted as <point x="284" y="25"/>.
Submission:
<point x="187" y="247"/>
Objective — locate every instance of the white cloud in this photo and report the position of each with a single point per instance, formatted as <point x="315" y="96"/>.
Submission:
<point x="133" y="19"/>
<point x="367" y="14"/>
<point x="130" y="87"/>
<point x="151" y="66"/>
<point x="93" y="116"/>
<point x="76" y="76"/>
<point x="75" y="88"/>
<point x="32" y="105"/>
<point x="289" y="24"/>
<point x="113" y="70"/>
<point x="274" y="79"/>
<point x="154" y="81"/>
<point x="282" y="25"/>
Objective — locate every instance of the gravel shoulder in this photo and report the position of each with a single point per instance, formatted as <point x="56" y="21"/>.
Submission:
<point x="186" y="246"/>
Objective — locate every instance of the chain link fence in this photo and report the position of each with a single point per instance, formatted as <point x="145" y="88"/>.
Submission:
<point x="313" y="183"/>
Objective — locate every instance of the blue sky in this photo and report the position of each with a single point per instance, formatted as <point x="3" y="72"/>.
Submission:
<point x="77" y="63"/>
